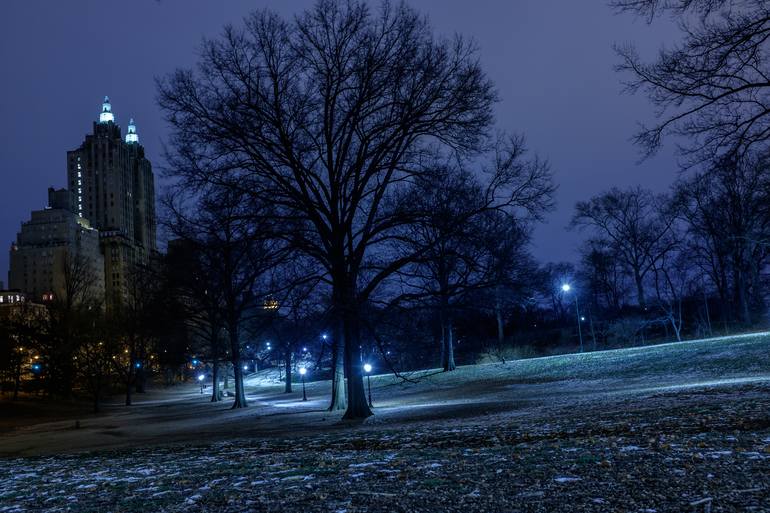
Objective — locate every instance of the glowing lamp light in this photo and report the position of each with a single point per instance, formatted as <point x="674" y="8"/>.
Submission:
<point x="201" y="377"/>
<point x="324" y="336"/>
<point x="36" y="367"/>
<point x="367" y="368"/>
<point x="566" y="287"/>
<point x="138" y="365"/>
<point x="195" y="362"/>
<point x="245" y="367"/>
<point x="302" y="371"/>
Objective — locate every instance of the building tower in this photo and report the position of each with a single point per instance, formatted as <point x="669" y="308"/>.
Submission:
<point x="112" y="185"/>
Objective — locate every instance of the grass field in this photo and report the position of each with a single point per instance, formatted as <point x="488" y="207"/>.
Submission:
<point x="663" y="428"/>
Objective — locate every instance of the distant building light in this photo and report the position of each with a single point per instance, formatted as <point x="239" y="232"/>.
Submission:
<point x="106" y="114"/>
<point x="132" y="137"/>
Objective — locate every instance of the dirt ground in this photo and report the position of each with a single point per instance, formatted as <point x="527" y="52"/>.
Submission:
<point x="550" y="436"/>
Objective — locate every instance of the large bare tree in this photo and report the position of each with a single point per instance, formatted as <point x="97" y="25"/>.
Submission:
<point x="713" y="88"/>
<point x="327" y="116"/>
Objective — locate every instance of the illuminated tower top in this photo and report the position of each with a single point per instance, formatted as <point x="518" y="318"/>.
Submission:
<point x="132" y="136"/>
<point x="106" y="115"/>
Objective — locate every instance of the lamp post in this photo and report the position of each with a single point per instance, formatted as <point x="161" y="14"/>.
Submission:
<point x="201" y="377"/>
<point x="566" y="288"/>
<point x="302" y="372"/>
<point x="368" y="370"/>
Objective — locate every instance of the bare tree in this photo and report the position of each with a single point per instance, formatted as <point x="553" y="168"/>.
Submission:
<point x="234" y="257"/>
<point x="605" y="276"/>
<point x="511" y="274"/>
<point x="135" y="325"/>
<point x="672" y="280"/>
<point x="69" y="312"/>
<point x="635" y="225"/>
<point x="327" y="117"/>
<point x="712" y="88"/>
<point x="197" y="290"/>
<point x="727" y="213"/>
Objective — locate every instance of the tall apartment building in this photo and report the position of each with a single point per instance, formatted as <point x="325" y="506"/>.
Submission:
<point x="107" y="214"/>
<point x="53" y="250"/>
<point x="112" y="185"/>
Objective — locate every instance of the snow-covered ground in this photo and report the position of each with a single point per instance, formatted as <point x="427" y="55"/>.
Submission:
<point x="664" y="428"/>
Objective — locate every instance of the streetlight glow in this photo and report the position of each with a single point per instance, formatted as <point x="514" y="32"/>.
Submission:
<point x="201" y="377"/>
<point x="566" y="288"/>
<point x="368" y="369"/>
<point x="302" y="372"/>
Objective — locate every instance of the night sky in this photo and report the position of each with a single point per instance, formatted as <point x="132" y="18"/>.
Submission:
<point x="551" y="61"/>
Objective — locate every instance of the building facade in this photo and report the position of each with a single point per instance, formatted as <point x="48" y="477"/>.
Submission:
<point x="55" y="248"/>
<point x="112" y="185"/>
<point x="105" y="216"/>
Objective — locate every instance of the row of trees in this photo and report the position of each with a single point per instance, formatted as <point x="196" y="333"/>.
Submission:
<point x="696" y="254"/>
<point x="73" y="344"/>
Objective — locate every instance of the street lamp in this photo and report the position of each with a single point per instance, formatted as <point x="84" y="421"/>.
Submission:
<point x="302" y="372"/>
<point x="368" y="370"/>
<point x="566" y="288"/>
<point x="201" y="377"/>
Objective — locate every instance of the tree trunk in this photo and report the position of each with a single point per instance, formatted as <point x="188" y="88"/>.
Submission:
<point x="235" y="350"/>
<point x="128" y="388"/>
<point x="743" y="302"/>
<point x="287" y="368"/>
<point x="640" y="291"/>
<point x="708" y="314"/>
<point x="500" y="324"/>
<point x="358" y="405"/>
<point x="216" y="396"/>
<point x="240" y="393"/>
<point x="339" y="397"/>
<point x="448" y="352"/>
